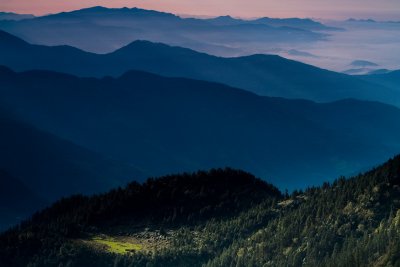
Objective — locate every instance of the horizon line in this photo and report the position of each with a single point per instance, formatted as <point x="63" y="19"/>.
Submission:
<point x="187" y="16"/>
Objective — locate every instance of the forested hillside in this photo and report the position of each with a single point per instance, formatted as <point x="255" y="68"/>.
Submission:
<point x="218" y="218"/>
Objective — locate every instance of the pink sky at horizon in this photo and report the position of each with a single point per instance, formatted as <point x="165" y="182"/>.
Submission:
<point x="324" y="9"/>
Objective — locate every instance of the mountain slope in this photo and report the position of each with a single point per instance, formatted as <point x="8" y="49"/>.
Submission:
<point x="261" y="74"/>
<point x="351" y="222"/>
<point x="218" y="218"/>
<point x="163" y="125"/>
<point x="390" y="79"/>
<point x="45" y="167"/>
<point x="43" y="161"/>
<point x="17" y="201"/>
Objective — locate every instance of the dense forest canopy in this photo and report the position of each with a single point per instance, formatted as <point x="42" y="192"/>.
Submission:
<point x="222" y="217"/>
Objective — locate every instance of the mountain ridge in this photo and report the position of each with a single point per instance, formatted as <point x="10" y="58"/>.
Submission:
<point x="262" y="74"/>
<point x="15" y="16"/>
<point x="115" y="28"/>
<point x="195" y="124"/>
<point x="304" y="23"/>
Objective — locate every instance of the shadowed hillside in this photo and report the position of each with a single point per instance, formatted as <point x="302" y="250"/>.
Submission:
<point x="17" y="201"/>
<point x="38" y="167"/>
<point x="163" y="125"/>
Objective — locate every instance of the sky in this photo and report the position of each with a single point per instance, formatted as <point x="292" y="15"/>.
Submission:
<point x="323" y="9"/>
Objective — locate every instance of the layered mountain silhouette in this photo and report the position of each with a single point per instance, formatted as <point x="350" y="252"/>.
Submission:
<point x="88" y="110"/>
<point x="14" y="16"/>
<point x="163" y="125"/>
<point x="114" y="28"/>
<point x="306" y="24"/>
<point x="262" y="74"/>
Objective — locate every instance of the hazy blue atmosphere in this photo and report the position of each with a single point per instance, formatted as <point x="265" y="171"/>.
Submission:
<point x="328" y="9"/>
<point x="328" y="44"/>
<point x="375" y="41"/>
<point x="140" y="133"/>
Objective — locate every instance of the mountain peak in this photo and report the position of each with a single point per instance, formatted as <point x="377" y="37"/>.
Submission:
<point x="226" y="20"/>
<point x="363" y="63"/>
<point x="139" y="45"/>
<point x="143" y="47"/>
<point x="361" y="20"/>
<point x="134" y="11"/>
<point x="225" y="17"/>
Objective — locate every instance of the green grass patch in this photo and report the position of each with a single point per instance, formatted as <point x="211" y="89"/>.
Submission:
<point x="116" y="246"/>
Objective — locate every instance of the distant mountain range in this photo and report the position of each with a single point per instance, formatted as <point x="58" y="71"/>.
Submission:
<point x="114" y="28"/>
<point x="363" y="63"/>
<point x="166" y="125"/>
<point x="361" y="20"/>
<point x="368" y="71"/>
<point x="14" y="16"/>
<point x="305" y="24"/>
<point x="262" y="74"/>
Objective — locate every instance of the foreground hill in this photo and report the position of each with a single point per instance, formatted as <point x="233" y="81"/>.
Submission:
<point x="166" y="125"/>
<point x="262" y="74"/>
<point x="218" y="218"/>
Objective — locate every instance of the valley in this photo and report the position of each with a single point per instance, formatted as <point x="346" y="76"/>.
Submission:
<point x="199" y="134"/>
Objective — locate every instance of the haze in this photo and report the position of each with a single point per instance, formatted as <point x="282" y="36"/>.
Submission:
<point x="328" y="9"/>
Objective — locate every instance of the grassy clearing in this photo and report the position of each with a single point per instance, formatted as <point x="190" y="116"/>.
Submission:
<point x="142" y="241"/>
<point x="113" y="245"/>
